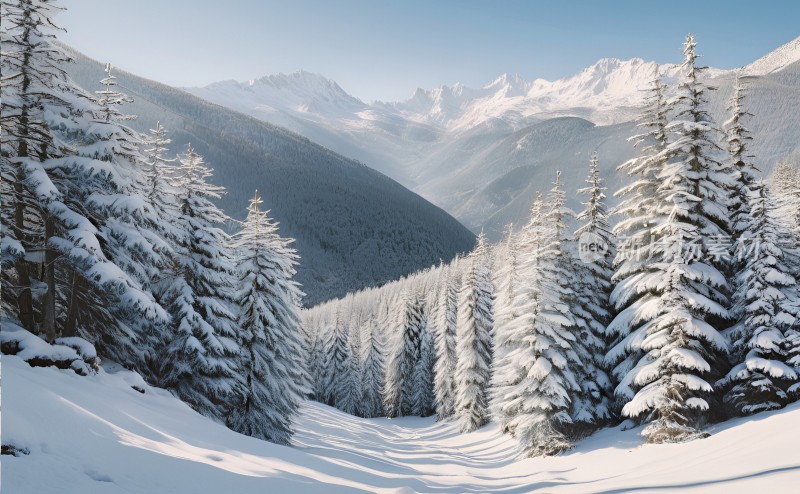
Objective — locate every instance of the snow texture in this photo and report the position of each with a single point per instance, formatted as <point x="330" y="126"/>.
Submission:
<point x="177" y="451"/>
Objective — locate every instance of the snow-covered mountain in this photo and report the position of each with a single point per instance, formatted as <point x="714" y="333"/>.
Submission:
<point x="607" y="92"/>
<point x="775" y="60"/>
<point x="481" y="153"/>
<point x="353" y="226"/>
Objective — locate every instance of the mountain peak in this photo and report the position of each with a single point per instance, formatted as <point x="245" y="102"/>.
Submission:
<point x="509" y="85"/>
<point x="775" y="60"/>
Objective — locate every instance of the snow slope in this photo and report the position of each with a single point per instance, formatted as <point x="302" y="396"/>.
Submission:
<point x="98" y="435"/>
<point x="775" y="60"/>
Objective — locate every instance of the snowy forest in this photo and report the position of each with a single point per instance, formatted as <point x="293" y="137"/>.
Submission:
<point x="675" y="307"/>
<point x="111" y="248"/>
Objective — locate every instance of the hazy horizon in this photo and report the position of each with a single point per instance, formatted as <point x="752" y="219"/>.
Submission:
<point x="384" y="50"/>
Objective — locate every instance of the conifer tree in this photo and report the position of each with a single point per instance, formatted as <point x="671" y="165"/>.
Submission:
<point x="374" y="373"/>
<point x="129" y="224"/>
<point x="325" y="378"/>
<point x="474" y="342"/>
<point x="670" y="383"/>
<point x="786" y="188"/>
<point x="403" y="357"/>
<point x="766" y="289"/>
<point x="337" y="387"/>
<point x="744" y="172"/>
<point x="424" y="397"/>
<point x="348" y="389"/>
<point x="46" y="191"/>
<point x="510" y="340"/>
<point x="537" y="401"/>
<point x="639" y="218"/>
<point x="592" y="286"/>
<point x="445" y="321"/>
<point x="202" y="356"/>
<point x="506" y="281"/>
<point x="273" y="359"/>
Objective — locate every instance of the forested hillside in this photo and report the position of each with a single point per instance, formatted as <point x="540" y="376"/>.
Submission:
<point x="353" y="226"/>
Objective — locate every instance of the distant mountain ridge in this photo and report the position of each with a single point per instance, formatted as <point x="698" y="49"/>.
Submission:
<point x="459" y="147"/>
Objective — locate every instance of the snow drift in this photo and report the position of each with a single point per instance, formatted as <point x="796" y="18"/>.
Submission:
<point x="97" y="434"/>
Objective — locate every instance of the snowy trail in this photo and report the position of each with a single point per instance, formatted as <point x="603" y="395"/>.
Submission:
<point x="97" y="435"/>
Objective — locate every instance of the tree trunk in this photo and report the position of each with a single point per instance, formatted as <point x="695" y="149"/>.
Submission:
<point x="49" y="308"/>
<point x="71" y="325"/>
<point x="25" y="299"/>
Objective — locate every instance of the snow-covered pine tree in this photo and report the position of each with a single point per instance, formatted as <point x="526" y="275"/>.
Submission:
<point x="744" y="172"/>
<point x="506" y="281"/>
<point x="544" y="362"/>
<point x="160" y="191"/>
<point x="639" y="216"/>
<point x="764" y="298"/>
<point x="786" y="189"/>
<point x="403" y="357"/>
<point x="374" y="365"/>
<point x="337" y="386"/>
<point x="424" y="398"/>
<point x="202" y="356"/>
<point x="474" y="342"/>
<point x="121" y="192"/>
<point x="31" y="76"/>
<point x="160" y="185"/>
<point x="45" y="187"/>
<point x="311" y="326"/>
<point x="445" y="321"/>
<point x="272" y="360"/>
<point x="510" y="340"/>
<point x="593" y="271"/>
<point x="324" y="362"/>
<point x="677" y="328"/>
<point x="113" y="193"/>
<point x="349" y="390"/>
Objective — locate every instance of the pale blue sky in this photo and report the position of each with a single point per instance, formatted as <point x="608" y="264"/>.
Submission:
<point x="385" y="49"/>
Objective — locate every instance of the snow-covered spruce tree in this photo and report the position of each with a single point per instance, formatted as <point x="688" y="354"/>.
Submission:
<point x="764" y="298"/>
<point x="744" y="172"/>
<point x="130" y="224"/>
<point x="510" y="341"/>
<point x="337" y="387"/>
<point x="272" y="355"/>
<point x="546" y="361"/>
<point x="159" y="188"/>
<point x="474" y="342"/>
<point x="403" y="357"/>
<point x="45" y="190"/>
<point x="129" y="218"/>
<point x="639" y="215"/>
<point x="593" y="271"/>
<point x="786" y="189"/>
<point x="424" y="399"/>
<point x="445" y="320"/>
<point x="323" y="367"/>
<point x="506" y="282"/>
<point x="374" y="365"/>
<point x="348" y="391"/>
<point x="676" y="329"/>
<point x="202" y="356"/>
<point x="31" y="75"/>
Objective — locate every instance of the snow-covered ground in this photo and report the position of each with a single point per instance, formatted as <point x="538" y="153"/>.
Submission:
<point x="97" y="434"/>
